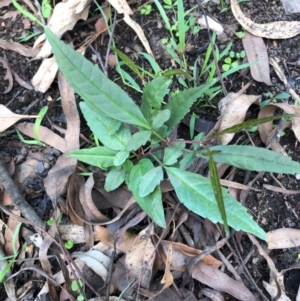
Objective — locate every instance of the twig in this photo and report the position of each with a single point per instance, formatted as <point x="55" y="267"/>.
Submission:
<point x="11" y="188"/>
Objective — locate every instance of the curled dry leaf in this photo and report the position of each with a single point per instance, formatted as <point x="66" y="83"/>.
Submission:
<point x="19" y="48"/>
<point x="283" y="238"/>
<point x="274" y="30"/>
<point x="220" y="281"/>
<point x="140" y="257"/>
<point x="212" y="24"/>
<point x="266" y="128"/>
<point x="8" y="118"/>
<point x="9" y="75"/>
<point x="256" y="51"/>
<point x="233" y="109"/>
<point x="65" y="16"/>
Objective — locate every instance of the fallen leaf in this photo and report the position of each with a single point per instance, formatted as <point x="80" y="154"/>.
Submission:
<point x="140" y="257"/>
<point x="4" y="3"/>
<point x="8" y="76"/>
<point x="256" y="51"/>
<point x="58" y="176"/>
<point x="73" y="232"/>
<point x="212" y="24"/>
<point x="101" y="24"/>
<point x="291" y="6"/>
<point x="273" y="289"/>
<point x="44" y="77"/>
<point x="45" y="135"/>
<point x="220" y="281"/>
<point x="283" y="238"/>
<point x="19" y="48"/>
<point x="12" y="224"/>
<point x="11" y="14"/>
<point x="281" y="190"/>
<point x="274" y="30"/>
<point x="64" y="17"/>
<point x="8" y="118"/>
<point x="233" y="108"/>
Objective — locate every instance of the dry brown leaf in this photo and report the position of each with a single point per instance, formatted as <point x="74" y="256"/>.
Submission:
<point x="122" y="7"/>
<point x="140" y="257"/>
<point x="220" y="281"/>
<point x="73" y="232"/>
<point x="212" y="24"/>
<point x="12" y="224"/>
<point x="58" y="176"/>
<point x="4" y="3"/>
<point x="45" y="135"/>
<point x="44" y="77"/>
<point x="8" y="76"/>
<point x="256" y="51"/>
<point x="233" y="109"/>
<point x="65" y="16"/>
<point x="101" y="25"/>
<point x="274" y="30"/>
<point x="281" y="190"/>
<point x="272" y="289"/>
<point x="266" y="128"/>
<point x="283" y="238"/>
<point x="8" y="118"/>
<point x="212" y="294"/>
<point x="19" y="48"/>
<point x="92" y="213"/>
<point x="180" y="253"/>
<point x="22" y="82"/>
<point x="11" y="14"/>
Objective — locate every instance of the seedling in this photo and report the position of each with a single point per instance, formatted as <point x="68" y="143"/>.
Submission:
<point x="76" y="286"/>
<point x="273" y="98"/>
<point x="69" y="244"/>
<point x="146" y="10"/>
<point x="169" y="4"/>
<point x="233" y="60"/>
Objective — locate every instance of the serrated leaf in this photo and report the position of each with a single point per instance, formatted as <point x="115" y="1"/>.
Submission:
<point x="172" y="153"/>
<point x="181" y="103"/>
<point x="152" y="203"/>
<point x="161" y="118"/>
<point x="106" y="129"/>
<point x="150" y="180"/>
<point x="153" y="95"/>
<point x="138" y="139"/>
<point x="114" y="179"/>
<point x="121" y="157"/>
<point x="101" y="156"/>
<point x="255" y="158"/>
<point x="93" y="86"/>
<point x="196" y="193"/>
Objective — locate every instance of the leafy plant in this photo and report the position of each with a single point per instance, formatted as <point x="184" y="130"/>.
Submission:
<point x="233" y="60"/>
<point x="142" y="158"/>
<point x="146" y="10"/>
<point x="76" y="286"/>
<point x="270" y="98"/>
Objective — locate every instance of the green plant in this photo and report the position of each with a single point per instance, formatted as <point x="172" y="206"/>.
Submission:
<point x="77" y="286"/>
<point x="37" y="125"/>
<point x="69" y="244"/>
<point x="144" y="157"/>
<point x="169" y="4"/>
<point x="146" y="10"/>
<point x="233" y="60"/>
<point x="273" y="98"/>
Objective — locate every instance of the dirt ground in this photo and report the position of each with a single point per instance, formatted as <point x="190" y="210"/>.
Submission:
<point x="272" y="210"/>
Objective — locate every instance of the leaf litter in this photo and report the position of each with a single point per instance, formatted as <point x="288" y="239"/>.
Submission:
<point x="169" y="248"/>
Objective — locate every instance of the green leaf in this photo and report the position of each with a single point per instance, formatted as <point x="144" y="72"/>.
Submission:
<point x="172" y="153"/>
<point x="215" y="181"/>
<point x="138" y="139"/>
<point x="93" y="86"/>
<point x="181" y="103"/>
<point x="255" y="158"/>
<point x="121" y="157"/>
<point x="153" y="95"/>
<point x="114" y="179"/>
<point x="152" y="203"/>
<point x="187" y="161"/>
<point x="102" y="126"/>
<point x="162" y="132"/>
<point x="101" y="156"/>
<point x="196" y="193"/>
<point x="160" y="118"/>
<point x="150" y="180"/>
